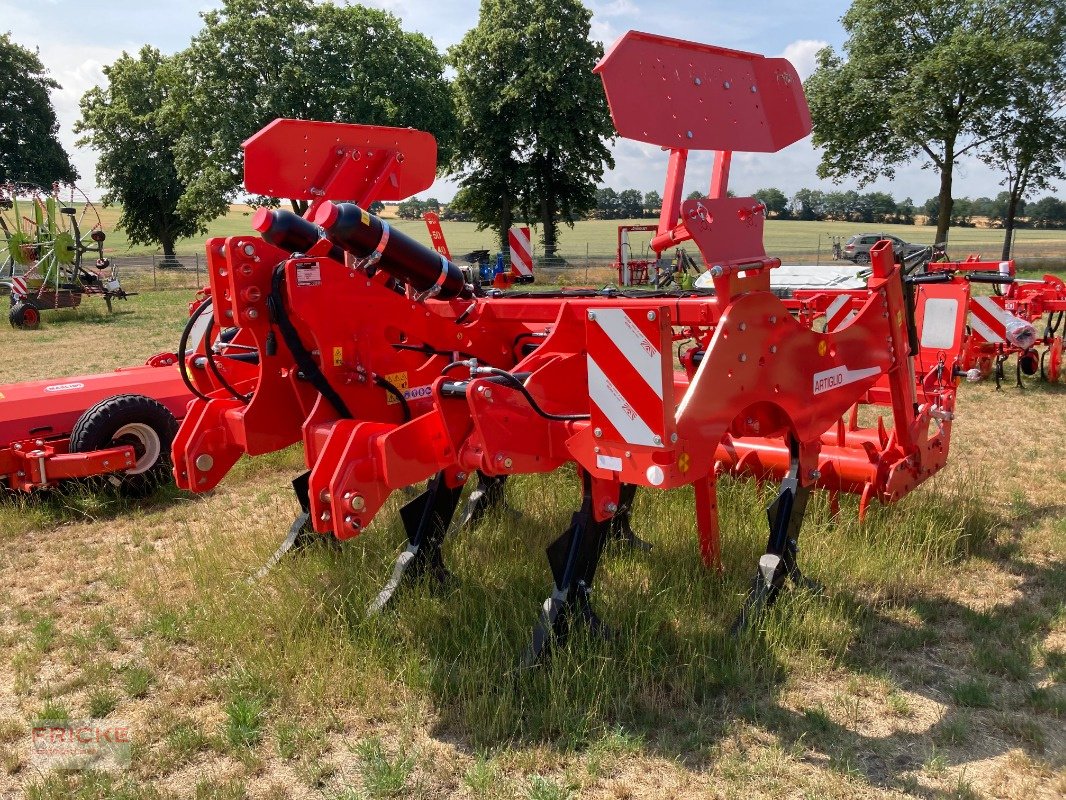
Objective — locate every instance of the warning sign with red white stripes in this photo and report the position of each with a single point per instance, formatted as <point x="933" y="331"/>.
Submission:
<point x="18" y="287"/>
<point x="987" y="320"/>
<point x="839" y="313"/>
<point x="630" y="384"/>
<point x="521" y="252"/>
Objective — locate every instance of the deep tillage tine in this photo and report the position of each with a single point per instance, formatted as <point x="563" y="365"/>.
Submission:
<point x="426" y="519"/>
<point x="785" y="516"/>
<point x="621" y="529"/>
<point x="573" y="558"/>
<point x="487" y="496"/>
<point x="300" y="535"/>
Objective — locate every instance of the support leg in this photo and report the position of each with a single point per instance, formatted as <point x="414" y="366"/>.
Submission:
<point x="785" y="516"/>
<point x="621" y="530"/>
<point x="426" y="520"/>
<point x="573" y="557"/>
<point x="707" y="522"/>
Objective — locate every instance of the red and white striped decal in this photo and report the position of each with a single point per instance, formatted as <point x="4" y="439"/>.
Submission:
<point x="839" y="313"/>
<point x="18" y="287"/>
<point x="521" y="251"/>
<point x="627" y="373"/>
<point x="988" y="320"/>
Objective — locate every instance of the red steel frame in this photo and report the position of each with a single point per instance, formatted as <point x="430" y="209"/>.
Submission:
<point x="525" y="384"/>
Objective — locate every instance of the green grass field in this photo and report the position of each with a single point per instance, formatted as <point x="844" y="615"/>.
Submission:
<point x="805" y="242"/>
<point x="933" y="666"/>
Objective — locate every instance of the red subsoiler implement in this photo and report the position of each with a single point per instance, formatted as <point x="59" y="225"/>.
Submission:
<point x="374" y="353"/>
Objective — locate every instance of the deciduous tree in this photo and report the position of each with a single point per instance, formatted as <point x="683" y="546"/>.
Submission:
<point x="533" y="116"/>
<point x="920" y="79"/>
<point x="30" y="151"/>
<point x="127" y="123"/>
<point x="257" y="60"/>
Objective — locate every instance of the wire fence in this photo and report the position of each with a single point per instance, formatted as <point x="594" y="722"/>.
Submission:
<point x="588" y="262"/>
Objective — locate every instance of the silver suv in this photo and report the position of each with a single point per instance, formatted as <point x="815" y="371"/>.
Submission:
<point x="857" y="248"/>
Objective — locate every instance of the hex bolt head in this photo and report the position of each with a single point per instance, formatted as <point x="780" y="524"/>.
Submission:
<point x="358" y="503"/>
<point x="742" y="326"/>
<point x="651" y="316"/>
<point x="324" y="516"/>
<point x="688" y="134"/>
<point x="658" y="440"/>
<point x="773" y="319"/>
<point x="592" y="315"/>
<point x="249" y="249"/>
<point x="597" y="432"/>
<point x="252" y="313"/>
<point x="488" y="394"/>
<point x="815" y="474"/>
<point x="754" y="88"/>
<point x="773" y="348"/>
<point x="508" y="463"/>
<point x="461" y="476"/>
<point x="743" y="357"/>
<point x="727" y="85"/>
<point x="204" y="462"/>
<point x="611" y="507"/>
<point x="673" y="438"/>
<point x="697" y="81"/>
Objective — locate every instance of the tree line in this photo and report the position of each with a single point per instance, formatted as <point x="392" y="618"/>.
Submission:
<point x="521" y="121"/>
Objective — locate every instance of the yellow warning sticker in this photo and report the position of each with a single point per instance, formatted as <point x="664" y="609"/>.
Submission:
<point x="683" y="461"/>
<point x="366" y="221"/>
<point x="338" y="356"/>
<point x="399" y="380"/>
<point x="822" y="347"/>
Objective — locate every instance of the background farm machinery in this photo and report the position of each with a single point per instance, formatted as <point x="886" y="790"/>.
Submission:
<point x="376" y="354"/>
<point x="54" y="253"/>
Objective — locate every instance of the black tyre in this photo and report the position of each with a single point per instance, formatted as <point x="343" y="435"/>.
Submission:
<point x="24" y="315"/>
<point x="135" y="420"/>
<point x="862" y="258"/>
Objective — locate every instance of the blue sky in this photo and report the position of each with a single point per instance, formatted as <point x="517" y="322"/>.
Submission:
<point x="77" y="38"/>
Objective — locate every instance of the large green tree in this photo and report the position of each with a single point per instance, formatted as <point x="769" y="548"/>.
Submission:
<point x="127" y="123"/>
<point x="921" y="80"/>
<point x="534" y="118"/>
<point x="257" y="60"/>
<point x="30" y="151"/>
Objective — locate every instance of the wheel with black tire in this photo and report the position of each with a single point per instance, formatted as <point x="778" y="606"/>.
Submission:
<point x="130" y="419"/>
<point x="25" y="316"/>
<point x="862" y="258"/>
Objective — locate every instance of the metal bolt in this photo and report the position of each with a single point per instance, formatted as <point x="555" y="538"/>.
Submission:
<point x="461" y="476"/>
<point x="204" y="462"/>
<point x="742" y="326"/>
<point x="480" y="389"/>
<point x="815" y="474"/>
<point x="488" y="394"/>
<point x="773" y="348"/>
<point x="651" y="316"/>
<point x="611" y="507"/>
<point x="107" y="463"/>
<point x="773" y="319"/>
<point x="325" y="496"/>
<point x="658" y="440"/>
<point x="249" y="249"/>
<point x="754" y="88"/>
<point x="39" y="442"/>
<point x="628" y="453"/>
<point x="727" y="85"/>
<point x="592" y="315"/>
<point x="347" y="496"/>
<point x="697" y="81"/>
<point x="358" y="503"/>
<point x="595" y="449"/>
<point x="743" y="357"/>
<point x="508" y="463"/>
<point x="324" y="516"/>
<point x="252" y="313"/>
<point x="597" y="432"/>
<point x="688" y="134"/>
<point x="673" y="438"/>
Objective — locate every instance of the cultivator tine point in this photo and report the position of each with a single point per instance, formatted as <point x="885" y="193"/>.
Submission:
<point x="487" y="496"/>
<point x="573" y="557"/>
<point x="785" y="516"/>
<point x="426" y="520"/>
<point x="300" y="534"/>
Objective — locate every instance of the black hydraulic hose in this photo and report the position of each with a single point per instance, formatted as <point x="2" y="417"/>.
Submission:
<point x="517" y="384"/>
<point x="183" y="343"/>
<point x="305" y="362"/>
<point x="209" y="353"/>
<point x="395" y="392"/>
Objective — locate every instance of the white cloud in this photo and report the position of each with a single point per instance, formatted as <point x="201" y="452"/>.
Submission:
<point x="803" y="54"/>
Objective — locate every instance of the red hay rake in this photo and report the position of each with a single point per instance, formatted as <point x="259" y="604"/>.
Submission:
<point x="372" y="351"/>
